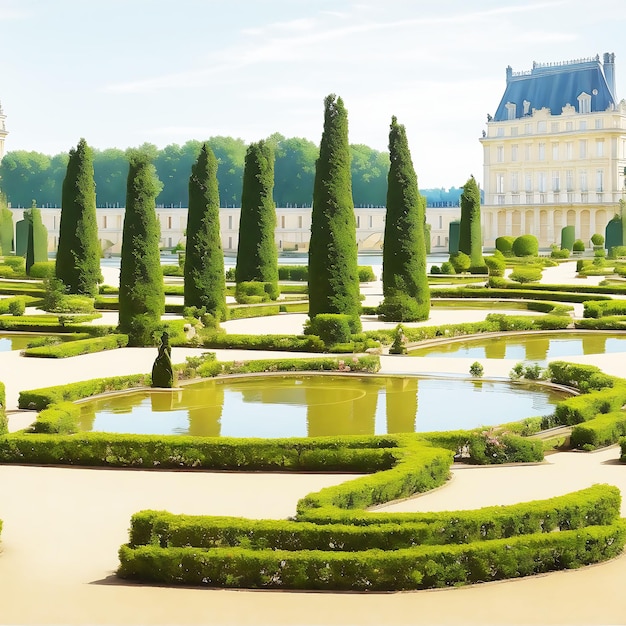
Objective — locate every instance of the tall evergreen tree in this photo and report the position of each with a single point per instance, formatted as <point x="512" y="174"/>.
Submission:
<point x="36" y="237"/>
<point x="257" y="256"/>
<point x="142" y="300"/>
<point x="6" y="227"/>
<point x="405" y="284"/>
<point x="205" y="284"/>
<point x="78" y="254"/>
<point x="333" y="269"/>
<point x="470" y="235"/>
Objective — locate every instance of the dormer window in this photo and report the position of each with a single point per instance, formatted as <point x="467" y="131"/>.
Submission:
<point x="584" y="103"/>
<point x="510" y="110"/>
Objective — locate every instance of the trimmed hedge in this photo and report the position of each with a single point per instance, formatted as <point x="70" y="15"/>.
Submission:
<point x="301" y="273"/>
<point x="97" y="449"/>
<point x="422" y="567"/>
<point x="353" y="531"/>
<point x="595" y="309"/>
<point x="42" y="398"/>
<point x="291" y="343"/>
<point x="512" y="291"/>
<point x="331" y="328"/>
<point x="75" y="348"/>
<point x="602" y="430"/>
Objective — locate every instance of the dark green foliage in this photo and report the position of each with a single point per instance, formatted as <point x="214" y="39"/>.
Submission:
<point x="526" y="245"/>
<point x="6" y="227"/>
<point x="454" y="233"/>
<point x="257" y="256"/>
<point x="579" y="245"/>
<point x="505" y="245"/>
<point x="32" y="236"/>
<point x="141" y="299"/>
<point x="613" y="233"/>
<point x="470" y="234"/>
<point x="331" y="328"/>
<point x="405" y="284"/>
<point x="205" y="284"/>
<point x="78" y="253"/>
<point x="333" y="274"/>
<point x="568" y="235"/>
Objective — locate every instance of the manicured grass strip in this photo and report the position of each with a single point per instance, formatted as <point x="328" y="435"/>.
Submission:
<point x="515" y="292"/>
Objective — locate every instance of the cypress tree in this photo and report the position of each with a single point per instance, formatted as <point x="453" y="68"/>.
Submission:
<point x="470" y="236"/>
<point x="142" y="300"/>
<point x="78" y="254"/>
<point x="205" y="284"/>
<point x="333" y="273"/>
<point x="36" y="238"/>
<point x="6" y="227"/>
<point x="257" y="257"/>
<point x="405" y="284"/>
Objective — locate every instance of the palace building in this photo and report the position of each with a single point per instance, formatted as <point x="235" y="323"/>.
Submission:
<point x="555" y="152"/>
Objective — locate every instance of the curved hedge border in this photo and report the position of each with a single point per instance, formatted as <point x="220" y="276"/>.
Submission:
<point x="360" y="530"/>
<point x="377" y="552"/>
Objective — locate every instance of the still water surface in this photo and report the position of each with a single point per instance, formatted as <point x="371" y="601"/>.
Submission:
<point x="300" y="406"/>
<point x="537" y="348"/>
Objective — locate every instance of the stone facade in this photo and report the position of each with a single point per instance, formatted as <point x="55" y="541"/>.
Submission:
<point x="293" y="229"/>
<point x="555" y="153"/>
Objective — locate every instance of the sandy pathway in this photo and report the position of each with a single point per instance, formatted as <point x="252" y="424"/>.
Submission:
<point x="63" y="526"/>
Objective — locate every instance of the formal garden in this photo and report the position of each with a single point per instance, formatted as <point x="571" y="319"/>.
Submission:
<point x="335" y="541"/>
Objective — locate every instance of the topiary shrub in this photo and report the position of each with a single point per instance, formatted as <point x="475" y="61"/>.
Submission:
<point x="526" y="245"/>
<point x="447" y="268"/>
<point x="558" y="253"/>
<point x="617" y="252"/>
<point x="16" y="263"/>
<point x="400" y="308"/>
<point x="42" y="269"/>
<point x="526" y="275"/>
<point x="331" y="328"/>
<point x="504" y="245"/>
<point x="568" y="235"/>
<point x="579" y="246"/>
<point x="476" y="369"/>
<point x="495" y="265"/>
<point x="435" y="269"/>
<point x="366" y="274"/>
<point x="251" y="292"/>
<point x="597" y="239"/>
<point x="17" y="307"/>
<point x="460" y="261"/>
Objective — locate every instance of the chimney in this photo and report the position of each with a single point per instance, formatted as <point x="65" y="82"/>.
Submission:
<point x="509" y="74"/>
<point x="609" y="72"/>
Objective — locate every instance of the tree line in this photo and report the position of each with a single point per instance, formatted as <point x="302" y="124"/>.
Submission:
<point x="27" y="176"/>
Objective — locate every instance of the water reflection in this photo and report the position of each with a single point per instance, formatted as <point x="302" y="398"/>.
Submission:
<point x="536" y="347"/>
<point x="316" y="406"/>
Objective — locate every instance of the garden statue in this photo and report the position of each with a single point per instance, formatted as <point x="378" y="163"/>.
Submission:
<point x="162" y="373"/>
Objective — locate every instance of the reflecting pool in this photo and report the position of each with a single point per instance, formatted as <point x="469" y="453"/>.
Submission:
<point x="16" y="341"/>
<point x="528" y="347"/>
<point x="301" y="406"/>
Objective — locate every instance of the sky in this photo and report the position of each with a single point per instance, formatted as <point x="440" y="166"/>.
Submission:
<point x="124" y="72"/>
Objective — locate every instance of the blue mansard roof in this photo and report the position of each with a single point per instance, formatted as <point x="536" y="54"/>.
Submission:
<point x="554" y="86"/>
